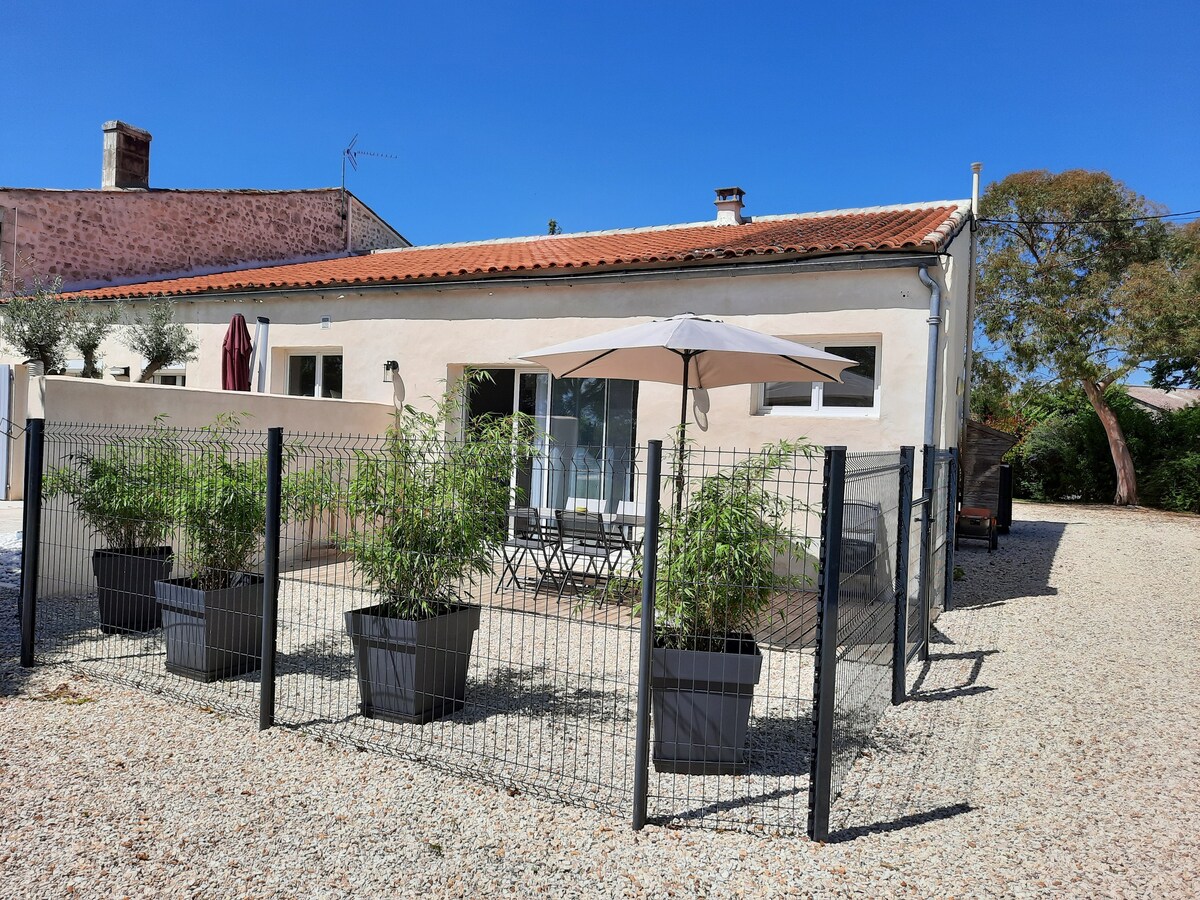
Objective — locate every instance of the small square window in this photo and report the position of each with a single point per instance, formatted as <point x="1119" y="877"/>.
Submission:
<point x="857" y="394"/>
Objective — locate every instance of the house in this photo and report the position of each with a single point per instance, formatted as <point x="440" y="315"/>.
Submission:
<point x="128" y="231"/>
<point x="874" y="284"/>
<point x="1157" y="400"/>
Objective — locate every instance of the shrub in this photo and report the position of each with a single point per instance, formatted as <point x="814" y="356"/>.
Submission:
<point x="428" y="512"/>
<point x="717" y="558"/>
<point x="221" y="502"/>
<point x="122" y="491"/>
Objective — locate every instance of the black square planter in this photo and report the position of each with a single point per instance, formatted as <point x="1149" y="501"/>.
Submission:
<point x="409" y="670"/>
<point x="212" y="634"/>
<point x="125" y="587"/>
<point x="701" y="707"/>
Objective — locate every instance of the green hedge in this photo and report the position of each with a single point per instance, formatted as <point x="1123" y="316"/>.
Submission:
<point x="1066" y="457"/>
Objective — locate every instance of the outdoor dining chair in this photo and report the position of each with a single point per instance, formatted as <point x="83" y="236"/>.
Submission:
<point x="529" y="538"/>
<point x="586" y="548"/>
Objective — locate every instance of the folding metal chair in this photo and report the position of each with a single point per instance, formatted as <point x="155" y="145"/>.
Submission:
<point x="528" y="538"/>
<point x="587" y="538"/>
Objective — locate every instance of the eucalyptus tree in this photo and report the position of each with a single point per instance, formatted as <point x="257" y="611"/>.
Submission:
<point x="1058" y="254"/>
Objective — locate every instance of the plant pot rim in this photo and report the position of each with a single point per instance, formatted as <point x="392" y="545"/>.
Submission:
<point x="155" y="550"/>
<point x="745" y="640"/>
<point x="375" y="610"/>
<point x="249" y="578"/>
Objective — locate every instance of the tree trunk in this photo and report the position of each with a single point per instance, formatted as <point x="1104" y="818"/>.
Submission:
<point x="90" y="369"/>
<point x="149" y="372"/>
<point x="1126" y="477"/>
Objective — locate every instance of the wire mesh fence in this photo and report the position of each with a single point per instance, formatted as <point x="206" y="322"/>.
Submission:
<point x="430" y="607"/>
<point x="866" y="614"/>
<point x="150" y="562"/>
<point x="940" y="528"/>
<point x="480" y="604"/>
<point x="735" y="618"/>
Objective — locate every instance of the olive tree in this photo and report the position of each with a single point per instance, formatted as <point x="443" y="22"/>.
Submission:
<point x="37" y="324"/>
<point x="90" y="324"/>
<point x="160" y="340"/>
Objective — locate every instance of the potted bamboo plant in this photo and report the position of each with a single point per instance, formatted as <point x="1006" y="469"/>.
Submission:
<point x="121" y="493"/>
<point x="213" y="618"/>
<point x="428" y="516"/>
<point x="717" y="574"/>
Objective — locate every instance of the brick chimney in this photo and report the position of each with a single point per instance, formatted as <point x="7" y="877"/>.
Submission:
<point x="126" y="157"/>
<point x="729" y="206"/>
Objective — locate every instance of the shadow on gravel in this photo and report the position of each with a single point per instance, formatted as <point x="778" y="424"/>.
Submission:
<point x="969" y="687"/>
<point x="908" y="821"/>
<point x="709" y="809"/>
<point x="529" y="692"/>
<point x="327" y="660"/>
<point x="12" y="676"/>
<point x="780" y="746"/>
<point x="1020" y="568"/>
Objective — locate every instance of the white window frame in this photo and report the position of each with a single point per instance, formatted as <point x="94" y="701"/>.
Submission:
<point x="319" y="386"/>
<point x="818" y="392"/>
<point x="176" y="373"/>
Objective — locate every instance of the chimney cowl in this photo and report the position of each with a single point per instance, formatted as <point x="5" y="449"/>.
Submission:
<point x="729" y="205"/>
<point x="126" y="157"/>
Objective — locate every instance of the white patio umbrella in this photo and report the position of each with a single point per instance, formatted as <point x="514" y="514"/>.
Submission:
<point x="692" y="351"/>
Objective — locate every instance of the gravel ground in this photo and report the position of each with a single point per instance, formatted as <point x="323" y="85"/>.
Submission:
<point x="1049" y="751"/>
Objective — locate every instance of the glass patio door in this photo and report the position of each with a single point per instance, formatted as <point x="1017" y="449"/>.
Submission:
<point x="588" y="428"/>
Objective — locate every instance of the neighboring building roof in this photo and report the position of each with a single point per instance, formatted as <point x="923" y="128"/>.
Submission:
<point x="1164" y="401"/>
<point x="925" y="227"/>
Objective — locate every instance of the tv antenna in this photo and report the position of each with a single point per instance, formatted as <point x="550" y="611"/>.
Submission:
<point x="351" y="155"/>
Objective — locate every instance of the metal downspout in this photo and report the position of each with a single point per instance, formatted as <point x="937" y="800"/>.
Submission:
<point x="931" y="374"/>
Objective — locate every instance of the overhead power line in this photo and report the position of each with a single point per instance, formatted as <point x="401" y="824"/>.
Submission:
<point x="1190" y="212"/>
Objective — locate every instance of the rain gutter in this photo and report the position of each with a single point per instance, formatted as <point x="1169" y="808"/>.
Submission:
<point x="931" y="374"/>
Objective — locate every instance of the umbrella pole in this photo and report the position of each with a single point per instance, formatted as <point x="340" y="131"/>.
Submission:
<point x="681" y="436"/>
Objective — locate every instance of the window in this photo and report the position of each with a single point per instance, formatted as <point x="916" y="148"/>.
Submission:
<point x="315" y="375"/>
<point x="591" y="426"/>
<point x="857" y="395"/>
<point x="173" y="380"/>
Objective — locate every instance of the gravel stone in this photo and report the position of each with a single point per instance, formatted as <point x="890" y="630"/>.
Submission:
<point x="1049" y="750"/>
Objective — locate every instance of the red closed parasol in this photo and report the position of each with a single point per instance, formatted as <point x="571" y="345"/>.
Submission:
<point x="235" y="356"/>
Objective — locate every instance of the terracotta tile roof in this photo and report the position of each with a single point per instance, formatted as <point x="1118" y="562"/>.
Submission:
<point x="924" y="226"/>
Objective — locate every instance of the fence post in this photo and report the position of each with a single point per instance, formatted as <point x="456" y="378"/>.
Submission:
<point x="32" y="535"/>
<point x="641" y="761"/>
<point x="929" y="466"/>
<point x="951" y="525"/>
<point x="270" y="598"/>
<point x="900" y="649"/>
<point x="825" y="667"/>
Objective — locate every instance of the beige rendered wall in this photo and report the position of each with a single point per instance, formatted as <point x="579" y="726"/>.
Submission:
<point x="94" y="238"/>
<point x="85" y="400"/>
<point x="71" y="400"/>
<point x="433" y="331"/>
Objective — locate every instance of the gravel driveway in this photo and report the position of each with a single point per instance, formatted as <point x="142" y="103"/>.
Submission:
<point x="1050" y="750"/>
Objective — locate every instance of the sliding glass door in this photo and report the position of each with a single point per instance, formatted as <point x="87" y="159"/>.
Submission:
<point x="589" y="430"/>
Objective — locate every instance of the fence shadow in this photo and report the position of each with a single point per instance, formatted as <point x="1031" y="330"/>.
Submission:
<point x="700" y="813"/>
<point x="968" y="687"/>
<point x="1020" y="568"/>
<point x="529" y="693"/>
<point x="780" y="746"/>
<point x="901" y="822"/>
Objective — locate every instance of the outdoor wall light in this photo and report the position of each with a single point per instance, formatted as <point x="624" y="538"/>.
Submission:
<point x="390" y="368"/>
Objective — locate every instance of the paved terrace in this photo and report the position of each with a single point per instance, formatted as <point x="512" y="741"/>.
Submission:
<point x="1050" y="751"/>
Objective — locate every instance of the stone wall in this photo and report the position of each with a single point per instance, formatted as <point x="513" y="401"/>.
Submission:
<point x="368" y="231"/>
<point x="94" y="238"/>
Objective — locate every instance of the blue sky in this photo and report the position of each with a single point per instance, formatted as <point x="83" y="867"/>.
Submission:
<point x="605" y="115"/>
